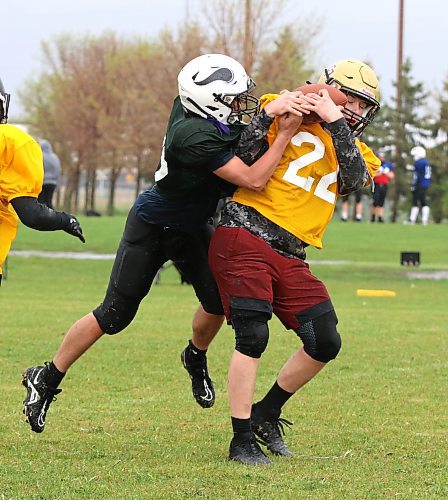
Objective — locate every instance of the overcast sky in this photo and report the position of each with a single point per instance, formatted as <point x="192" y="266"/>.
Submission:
<point x="348" y="31"/>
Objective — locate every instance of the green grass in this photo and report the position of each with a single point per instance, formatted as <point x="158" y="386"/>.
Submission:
<point x="371" y="425"/>
<point x="102" y="236"/>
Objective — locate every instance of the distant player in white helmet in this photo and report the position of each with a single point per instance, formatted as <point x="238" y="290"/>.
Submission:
<point x="420" y="184"/>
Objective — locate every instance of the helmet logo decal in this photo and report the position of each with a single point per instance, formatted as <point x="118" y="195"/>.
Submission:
<point x="329" y="71"/>
<point x="222" y="74"/>
<point x="367" y="92"/>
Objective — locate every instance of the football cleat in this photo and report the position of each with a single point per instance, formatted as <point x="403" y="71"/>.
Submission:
<point x="39" y="397"/>
<point x="269" y="431"/>
<point x="247" y="451"/>
<point x="201" y="384"/>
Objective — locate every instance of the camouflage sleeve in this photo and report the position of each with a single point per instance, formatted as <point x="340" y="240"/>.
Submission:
<point x="353" y="173"/>
<point x="252" y="143"/>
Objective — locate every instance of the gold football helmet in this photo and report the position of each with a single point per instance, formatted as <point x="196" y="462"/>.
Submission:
<point x="358" y="79"/>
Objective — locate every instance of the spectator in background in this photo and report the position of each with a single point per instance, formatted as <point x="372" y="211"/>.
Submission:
<point x="52" y="174"/>
<point x="346" y="205"/>
<point x="420" y="184"/>
<point x="381" y="182"/>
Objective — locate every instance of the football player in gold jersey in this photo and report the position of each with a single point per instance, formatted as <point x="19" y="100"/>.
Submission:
<point x="21" y="177"/>
<point x="257" y="254"/>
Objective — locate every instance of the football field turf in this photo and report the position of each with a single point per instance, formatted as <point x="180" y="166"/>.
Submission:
<point x="372" y="425"/>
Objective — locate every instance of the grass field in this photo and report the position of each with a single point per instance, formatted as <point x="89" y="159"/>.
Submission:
<point x="372" y="425"/>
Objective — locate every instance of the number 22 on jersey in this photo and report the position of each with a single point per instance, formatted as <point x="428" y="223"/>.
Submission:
<point x="292" y="172"/>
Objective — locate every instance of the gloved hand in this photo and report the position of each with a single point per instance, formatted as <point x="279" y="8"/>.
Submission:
<point x="73" y="227"/>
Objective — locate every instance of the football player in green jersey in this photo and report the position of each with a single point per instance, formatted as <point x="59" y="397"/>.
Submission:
<point x="214" y="133"/>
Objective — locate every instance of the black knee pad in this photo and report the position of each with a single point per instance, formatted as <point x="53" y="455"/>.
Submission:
<point x="116" y="312"/>
<point x="137" y="261"/>
<point x="320" y="338"/>
<point x="249" y="318"/>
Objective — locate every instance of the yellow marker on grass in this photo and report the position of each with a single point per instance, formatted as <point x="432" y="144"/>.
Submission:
<point x="375" y="293"/>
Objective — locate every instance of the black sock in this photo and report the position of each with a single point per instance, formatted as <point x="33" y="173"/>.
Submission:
<point x="53" y="376"/>
<point x="194" y="354"/>
<point x="196" y="351"/>
<point x="241" y="427"/>
<point x="274" y="400"/>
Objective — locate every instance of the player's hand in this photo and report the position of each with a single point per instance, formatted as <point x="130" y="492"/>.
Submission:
<point x="74" y="227"/>
<point x="289" y="123"/>
<point x="286" y="102"/>
<point x="323" y="105"/>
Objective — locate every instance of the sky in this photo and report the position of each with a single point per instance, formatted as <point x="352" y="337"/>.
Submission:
<point x="370" y="33"/>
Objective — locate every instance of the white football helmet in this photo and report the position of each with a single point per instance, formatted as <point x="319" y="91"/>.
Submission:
<point x="418" y="153"/>
<point x="4" y="104"/>
<point x="217" y="86"/>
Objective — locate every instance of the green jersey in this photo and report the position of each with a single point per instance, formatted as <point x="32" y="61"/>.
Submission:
<point x="193" y="148"/>
<point x="187" y="191"/>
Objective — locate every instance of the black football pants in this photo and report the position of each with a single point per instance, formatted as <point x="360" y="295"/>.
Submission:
<point x="143" y="249"/>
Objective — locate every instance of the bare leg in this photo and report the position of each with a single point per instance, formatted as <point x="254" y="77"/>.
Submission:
<point x="344" y="210"/>
<point x="80" y="336"/>
<point x="358" y="211"/>
<point x="298" y="370"/>
<point x="205" y="327"/>
<point x="241" y="384"/>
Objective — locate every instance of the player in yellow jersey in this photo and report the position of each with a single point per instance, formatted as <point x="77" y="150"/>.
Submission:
<point x="21" y="177"/>
<point x="257" y="254"/>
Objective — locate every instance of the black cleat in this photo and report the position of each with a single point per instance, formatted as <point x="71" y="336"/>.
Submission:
<point x="247" y="451"/>
<point x="38" y="399"/>
<point x="270" y="430"/>
<point x="201" y="384"/>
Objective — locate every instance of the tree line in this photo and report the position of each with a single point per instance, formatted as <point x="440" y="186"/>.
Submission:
<point x="103" y="101"/>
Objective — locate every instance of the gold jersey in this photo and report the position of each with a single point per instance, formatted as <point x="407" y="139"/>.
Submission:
<point x="302" y="192"/>
<point x="21" y="174"/>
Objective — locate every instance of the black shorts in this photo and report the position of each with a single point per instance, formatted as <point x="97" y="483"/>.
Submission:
<point x="419" y="197"/>
<point x="357" y="194"/>
<point x="379" y="195"/>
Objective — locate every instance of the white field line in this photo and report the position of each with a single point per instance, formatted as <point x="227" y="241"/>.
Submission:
<point x="430" y="274"/>
<point x="110" y="256"/>
<point x="63" y="255"/>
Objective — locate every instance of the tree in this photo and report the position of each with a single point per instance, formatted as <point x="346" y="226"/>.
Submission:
<point x="103" y="101"/>
<point x="409" y="127"/>
<point x="285" y="66"/>
<point x="379" y="135"/>
<point x="248" y="30"/>
<point x="438" y="157"/>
